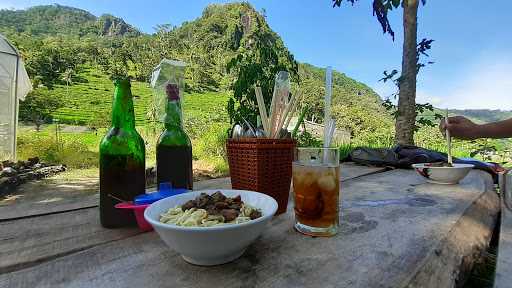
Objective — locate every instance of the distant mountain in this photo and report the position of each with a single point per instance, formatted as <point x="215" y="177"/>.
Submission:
<point x="50" y="20"/>
<point x="483" y="115"/>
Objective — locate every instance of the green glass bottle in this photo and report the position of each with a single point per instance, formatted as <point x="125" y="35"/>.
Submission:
<point x="174" y="149"/>
<point x="122" y="161"/>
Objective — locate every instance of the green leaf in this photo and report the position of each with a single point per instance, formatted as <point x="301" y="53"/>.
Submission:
<point x="395" y="3"/>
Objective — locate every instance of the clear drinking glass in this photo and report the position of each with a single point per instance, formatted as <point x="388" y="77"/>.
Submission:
<point x="316" y="187"/>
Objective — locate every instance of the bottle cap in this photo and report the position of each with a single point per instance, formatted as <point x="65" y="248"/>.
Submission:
<point x="173" y="92"/>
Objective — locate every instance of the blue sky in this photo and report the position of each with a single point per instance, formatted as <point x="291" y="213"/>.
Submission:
<point x="472" y="48"/>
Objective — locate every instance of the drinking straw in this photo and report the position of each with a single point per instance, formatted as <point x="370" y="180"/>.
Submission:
<point x="330" y="133"/>
<point x="448" y="140"/>
<point x="328" y="96"/>
<point x="331" y="127"/>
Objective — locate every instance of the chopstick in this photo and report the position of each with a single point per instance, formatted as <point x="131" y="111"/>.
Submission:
<point x="263" y="110"/>
<point x="272" y="114"/>
<point x="284" y="114"/>
<point x="292" y="110"/>
<point x="448" y="139"/>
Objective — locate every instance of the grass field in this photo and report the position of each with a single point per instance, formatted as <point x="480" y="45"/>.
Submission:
<point x="91" y="96"/>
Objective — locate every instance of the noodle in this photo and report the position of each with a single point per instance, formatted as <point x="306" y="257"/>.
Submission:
<point x="194" y="217"/>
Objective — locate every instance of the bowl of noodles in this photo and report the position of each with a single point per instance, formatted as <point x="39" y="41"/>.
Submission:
<point x="211" y="227"/>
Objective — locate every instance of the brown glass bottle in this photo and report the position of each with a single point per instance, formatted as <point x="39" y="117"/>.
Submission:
<point x="122" y="161"/>
<point x="174" y="149"/>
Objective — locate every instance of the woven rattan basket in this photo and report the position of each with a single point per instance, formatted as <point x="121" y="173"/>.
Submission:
<point x="263" y="165"/>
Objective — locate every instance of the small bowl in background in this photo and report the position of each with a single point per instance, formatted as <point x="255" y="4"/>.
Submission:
<point x="443" y="175"/>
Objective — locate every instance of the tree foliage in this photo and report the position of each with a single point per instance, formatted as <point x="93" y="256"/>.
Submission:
<point x="229" y="48"/>
<point x="39" y="106"/>
<point x="261" y="55"/>
<point x="58" y="20"/>
<point x="407" y="110"/>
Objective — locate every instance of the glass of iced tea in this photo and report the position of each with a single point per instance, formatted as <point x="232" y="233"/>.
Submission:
<point x="316" y="187"/>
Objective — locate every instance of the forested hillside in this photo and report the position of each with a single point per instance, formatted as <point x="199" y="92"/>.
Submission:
<point x="57" y="40"/>
<point x="53" y="20"/>
<point x="484" y="115"/>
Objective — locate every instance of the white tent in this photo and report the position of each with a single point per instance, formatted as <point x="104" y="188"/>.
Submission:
<point x="14" y="86"/>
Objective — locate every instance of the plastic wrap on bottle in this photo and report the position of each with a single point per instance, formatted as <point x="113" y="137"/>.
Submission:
<point x="167" y="72"/>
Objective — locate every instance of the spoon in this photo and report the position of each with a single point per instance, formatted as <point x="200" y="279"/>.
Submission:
<point x="260" y="133"/>
<point x="237" y="132"/>
<point x="249" y="133"/>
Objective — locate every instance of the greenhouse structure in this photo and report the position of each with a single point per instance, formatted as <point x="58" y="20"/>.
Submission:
<point x="14" y="86"/>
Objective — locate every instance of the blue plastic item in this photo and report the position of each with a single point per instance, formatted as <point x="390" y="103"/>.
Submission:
<point x="165" y="190"/>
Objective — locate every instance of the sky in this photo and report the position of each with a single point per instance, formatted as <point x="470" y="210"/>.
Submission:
<point x="472" y="50"/>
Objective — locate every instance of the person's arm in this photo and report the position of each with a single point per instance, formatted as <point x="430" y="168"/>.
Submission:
<point x="502" y="129"/>
<point x="463" y="128"/>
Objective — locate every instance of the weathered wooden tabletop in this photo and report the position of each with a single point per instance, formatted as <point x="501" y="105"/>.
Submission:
<point x="396" y="231"/>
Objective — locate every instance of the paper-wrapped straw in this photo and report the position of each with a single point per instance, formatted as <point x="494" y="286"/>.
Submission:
<point x="328" y="97"/>
<point x="331" y="127"/>
<point x="448" y="140"/>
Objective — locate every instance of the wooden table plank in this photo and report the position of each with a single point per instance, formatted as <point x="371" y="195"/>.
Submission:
<point x="395" y="231"/>
<point x="504" y="263"/>
<point x="51" y="196"/>
<point x="30" y="241"/>
<point x="48" y="196"/>
<point x="25" y="242"/>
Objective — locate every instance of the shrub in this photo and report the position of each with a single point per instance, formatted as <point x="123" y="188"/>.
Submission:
<point x="212" y="143"/>
<point x="71" y="152"/>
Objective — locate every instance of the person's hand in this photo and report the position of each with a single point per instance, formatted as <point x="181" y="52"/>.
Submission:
<point x="460" y="127"/>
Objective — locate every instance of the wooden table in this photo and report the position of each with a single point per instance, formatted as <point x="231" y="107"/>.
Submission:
<point x="396" y="231"/>
<point x="504" y="261"/>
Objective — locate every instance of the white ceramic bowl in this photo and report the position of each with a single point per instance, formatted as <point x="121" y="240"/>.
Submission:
<point x="216" y="245"/>
<point x="443" y="175"/>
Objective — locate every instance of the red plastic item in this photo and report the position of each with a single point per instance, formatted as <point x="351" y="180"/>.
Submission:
<point x="139" y="214"/>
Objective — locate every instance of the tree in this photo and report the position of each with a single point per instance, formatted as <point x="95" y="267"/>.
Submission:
<point x="406" y="113"/>
<point x="38" y="106"/>
<point x="67" y="77"/>
<point x="261" y="55"/>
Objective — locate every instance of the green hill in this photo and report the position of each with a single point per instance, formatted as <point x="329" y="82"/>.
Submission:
<point x="207" y="44"/>
<point x="62" y="20"/>
<point x="483" y="115"/>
